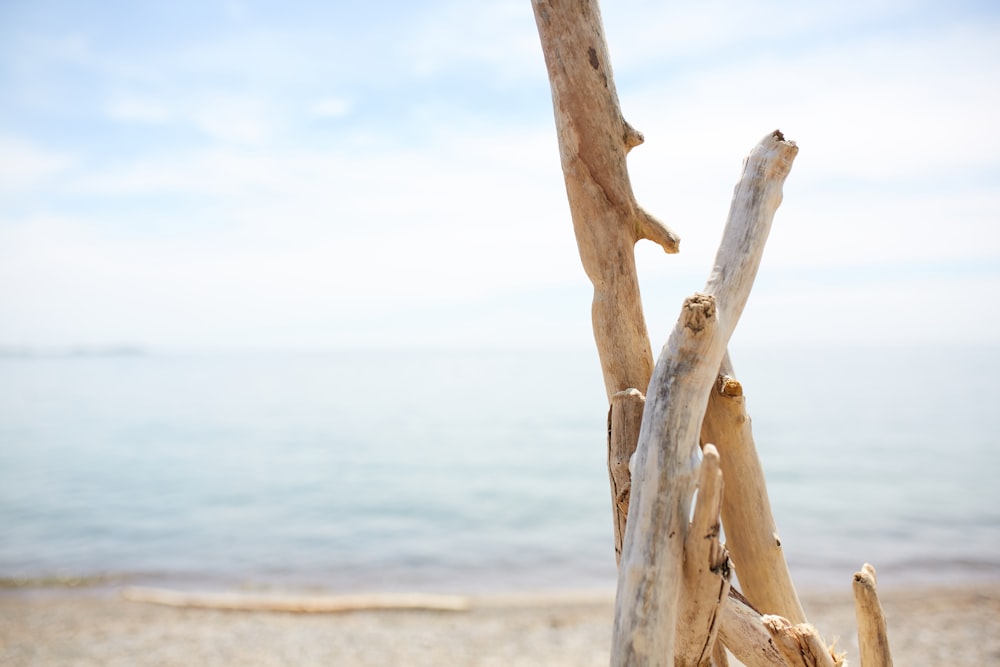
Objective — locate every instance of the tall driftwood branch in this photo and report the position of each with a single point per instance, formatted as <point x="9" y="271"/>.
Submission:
<point x="663" y="481"/>
<point x="593" y="142"/>
<point x="706" y="571"/>
<point x="751" y="534"/>
<point x="873" y="639"/>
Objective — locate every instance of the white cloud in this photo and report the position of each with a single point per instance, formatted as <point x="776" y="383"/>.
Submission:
<point x="331" y="107"/>
<point x="285" y="235"/>
<point x="499" y="38"/>
<point x="888" y="171"/>
<point x="137" y="110"/>
<point x="254" y="233"/>
<point x="24" y="165"/>
<point x="231" y="118"/>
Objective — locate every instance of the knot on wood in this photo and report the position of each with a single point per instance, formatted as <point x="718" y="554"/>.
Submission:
<point x="728" y="386"/>
<point x="698" y="312"/>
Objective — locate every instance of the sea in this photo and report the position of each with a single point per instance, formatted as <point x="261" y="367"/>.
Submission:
<point x="465" y="470"/>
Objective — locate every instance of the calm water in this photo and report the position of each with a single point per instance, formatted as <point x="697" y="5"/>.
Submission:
<point x="466" y="470"/>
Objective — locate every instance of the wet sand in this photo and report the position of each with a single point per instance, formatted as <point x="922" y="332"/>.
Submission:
<point x="51" y="627"/>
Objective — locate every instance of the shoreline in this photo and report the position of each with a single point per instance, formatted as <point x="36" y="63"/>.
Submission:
<point x="928" y="625"/>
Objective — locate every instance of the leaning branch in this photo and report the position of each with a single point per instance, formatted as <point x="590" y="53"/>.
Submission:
<point x="751" y="534"/>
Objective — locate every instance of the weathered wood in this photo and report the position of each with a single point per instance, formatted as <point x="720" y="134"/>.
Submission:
<point x="624" y="420"/>
<point x="593" y="142"/>
<point x="742" y="631"/>
<point x="296" y="603"/>
<point x="800" y="644"/>
<point x="706" y="571"/>
<point x="751" y="533"/>
<point x="663" y="480"/>
<point x="873" y="639"/>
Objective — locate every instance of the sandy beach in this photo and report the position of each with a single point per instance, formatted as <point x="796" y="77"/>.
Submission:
<point x="927" y="626"/>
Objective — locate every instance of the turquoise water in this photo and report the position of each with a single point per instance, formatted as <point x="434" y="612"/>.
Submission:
<point x="465" y="470"/>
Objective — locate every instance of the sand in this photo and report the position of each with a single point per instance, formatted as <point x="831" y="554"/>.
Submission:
<point x="929" y="626"/>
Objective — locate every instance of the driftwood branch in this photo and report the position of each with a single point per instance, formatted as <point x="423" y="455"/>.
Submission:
<point x="873" y="639"/>
<point x="593" y="142"/>
<point x="751" y="534"/>
<point x="663" y="481"/>
<point x="316" y="604"/>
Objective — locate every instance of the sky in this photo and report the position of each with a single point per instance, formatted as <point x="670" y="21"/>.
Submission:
<point x="326" y="174"/>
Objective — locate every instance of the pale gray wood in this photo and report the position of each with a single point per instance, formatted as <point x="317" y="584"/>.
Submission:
<point x="707" y="571"/>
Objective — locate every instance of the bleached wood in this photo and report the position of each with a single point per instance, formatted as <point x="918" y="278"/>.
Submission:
<point x="742" y="631"/>
<point x="751" y="533"/>
<point x="706" y="571"/>
<point x="296" y="603"/>
<point x="624" y="420"/>
<point x="593" y="142"/>
<point x="663" y="480"/>
<point x="800" y="644"/>
<point x="873" y="638"/>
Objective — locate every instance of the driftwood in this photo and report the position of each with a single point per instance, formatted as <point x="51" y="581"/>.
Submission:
<point x="593" y="142"/>
<point x="742" y="631"/>
<point x="873" y="640"/>
<point x="800" y="644"/>
<point x="663" y="481"/>
<point x="706" y="582"/>
<point x="674" y="597"/>
<point x="296" y="603"/>
<point x="751" y="534"/>
<point x="624" y="421"/>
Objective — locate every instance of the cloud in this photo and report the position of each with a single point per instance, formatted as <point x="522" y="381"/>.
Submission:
<point x="25" y="165"/>
<point x="331" y="107"/>
<point x="137" y="110"/>
<point x="498" y="39"/>
<point x="433" y="199"/>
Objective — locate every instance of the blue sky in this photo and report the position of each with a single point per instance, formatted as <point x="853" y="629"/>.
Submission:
<point x="315" y="174"/>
